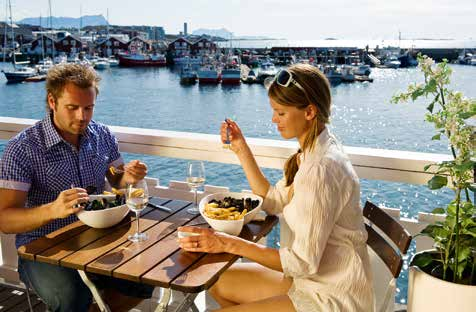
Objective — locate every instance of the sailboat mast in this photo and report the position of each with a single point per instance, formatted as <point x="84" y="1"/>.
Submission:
<point x="42" y="41"/>
<point x="5" y="33"/>
<point x="13" y="35"/>
<point x="52" y="34"/>
<point x="107" y="23"/>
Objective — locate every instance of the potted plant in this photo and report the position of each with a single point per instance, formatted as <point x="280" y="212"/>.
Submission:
<point x="444" y="278"/>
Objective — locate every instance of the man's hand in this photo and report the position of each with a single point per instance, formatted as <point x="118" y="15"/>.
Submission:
<point x="68" y="202"/>
<point x="134" y="171"/>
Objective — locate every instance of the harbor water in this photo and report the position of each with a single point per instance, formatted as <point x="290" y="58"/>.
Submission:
<point x="362" y="116"/>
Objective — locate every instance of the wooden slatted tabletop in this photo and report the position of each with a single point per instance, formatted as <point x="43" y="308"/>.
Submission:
<point x="157" y="261"/>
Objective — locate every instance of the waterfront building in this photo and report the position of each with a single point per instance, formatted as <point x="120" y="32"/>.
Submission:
<point x="111" y="46"/>
<point x="203" y="46"/>
<point x="138" y="44"/>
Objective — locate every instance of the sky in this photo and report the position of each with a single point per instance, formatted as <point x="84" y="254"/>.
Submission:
<point x="288" y="19"/>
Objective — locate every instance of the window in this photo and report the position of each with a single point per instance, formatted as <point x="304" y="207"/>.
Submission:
<point x="65" y="42"/>
<point x="200" y="44"/>
<point x="116" y="43"/>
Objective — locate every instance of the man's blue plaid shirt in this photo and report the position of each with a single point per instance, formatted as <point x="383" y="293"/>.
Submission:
<point x="39" y="161"/>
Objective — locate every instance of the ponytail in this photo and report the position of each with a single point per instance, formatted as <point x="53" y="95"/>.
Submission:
<point x="291" y="167"/>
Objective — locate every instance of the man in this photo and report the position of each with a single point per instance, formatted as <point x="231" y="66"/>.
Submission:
<point x="44" y="173"/>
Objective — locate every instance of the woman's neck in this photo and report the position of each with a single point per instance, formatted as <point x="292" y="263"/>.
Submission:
<point x="302" y="137"/>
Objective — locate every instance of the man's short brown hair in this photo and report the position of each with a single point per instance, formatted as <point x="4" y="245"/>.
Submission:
<point x="79" y="75"/>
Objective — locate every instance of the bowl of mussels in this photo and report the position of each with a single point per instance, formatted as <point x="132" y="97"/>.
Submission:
<point x="104" y="210"/>
<point x="228" y="212"/>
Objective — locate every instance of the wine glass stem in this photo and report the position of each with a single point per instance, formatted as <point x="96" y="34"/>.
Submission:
<point x="137" y="217"/>
<point x="195" y="197"/>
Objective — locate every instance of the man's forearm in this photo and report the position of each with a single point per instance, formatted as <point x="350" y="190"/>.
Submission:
<point x="20" y="220"/>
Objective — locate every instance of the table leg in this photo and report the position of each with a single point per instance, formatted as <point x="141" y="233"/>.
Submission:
<point x="187" y="303"/>
<point x="164" y="300"/>
<point x="97" y="296"/>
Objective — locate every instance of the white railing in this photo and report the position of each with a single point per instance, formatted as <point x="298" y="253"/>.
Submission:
<point x="369" y="163"/>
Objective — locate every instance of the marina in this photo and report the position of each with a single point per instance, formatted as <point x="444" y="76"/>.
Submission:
<point x="164" y="97"/>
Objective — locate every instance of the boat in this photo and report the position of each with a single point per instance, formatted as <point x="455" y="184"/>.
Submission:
<point x="101" y="63"/>
<point x="36" y="78"/>
<point x="333" y="74"/>
<point x="196" y="60"/>
<point x="347" y="73"/>
<point x="362" y="70"/>
<point x="187" y="74"/>
<point x="392" y="62"/>
<point x="209" y="74"/>
<point x="130" y="60"/>
<point x="266" y="69"/>
<point x="250" y="77"/>
<point x="19" y="74"/>
<point x="231" y="74"/>
<point x="113" y="62"/>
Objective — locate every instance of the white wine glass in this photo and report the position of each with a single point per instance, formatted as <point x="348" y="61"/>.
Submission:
<point x="137" y="197"/>
<point x="195" y="179"/>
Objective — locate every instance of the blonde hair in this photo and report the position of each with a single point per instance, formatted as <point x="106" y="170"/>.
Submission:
<point x="79" y="75"/>
<point x="316" y="92"/>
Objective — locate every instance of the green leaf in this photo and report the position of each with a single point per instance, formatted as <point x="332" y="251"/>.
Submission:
<point x="438" y="210"/>
<point x="430" y="107"/>
<point x="468" y="165"/>
<point x="470" y="231"/>
<point x="437" y="182"/>
<point x="436" y="137"/>
<point x="422" y="260"/>
<point x="464" y="253"/>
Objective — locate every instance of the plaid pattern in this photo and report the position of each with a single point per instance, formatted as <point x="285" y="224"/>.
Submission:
<point x="40" y="162"/>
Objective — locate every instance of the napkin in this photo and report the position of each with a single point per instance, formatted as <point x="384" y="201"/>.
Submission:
<point x="260" y="216"/>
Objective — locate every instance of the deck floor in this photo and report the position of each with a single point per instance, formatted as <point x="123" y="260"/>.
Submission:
<point x="14" y="299"/>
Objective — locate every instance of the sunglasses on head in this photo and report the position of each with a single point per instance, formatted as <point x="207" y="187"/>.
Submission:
<point x="284" y="78"/>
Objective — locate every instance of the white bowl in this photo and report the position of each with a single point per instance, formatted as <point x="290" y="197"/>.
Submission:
<point x="232" y="227"/>
<point x="109" y="197"/>
<point x="103" y="218"/>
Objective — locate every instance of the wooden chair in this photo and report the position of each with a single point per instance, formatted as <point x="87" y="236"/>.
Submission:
<point x="387" y="242"/>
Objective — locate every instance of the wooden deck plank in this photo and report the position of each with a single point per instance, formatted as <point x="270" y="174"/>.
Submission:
<point x="198" y="277"/>
<point x="137" y="266"/>
<point x="79" y="259"/>
<point x="123" y="253"/>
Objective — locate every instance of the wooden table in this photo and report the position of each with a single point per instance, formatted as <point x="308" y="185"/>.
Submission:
<point x="157" y="261"/>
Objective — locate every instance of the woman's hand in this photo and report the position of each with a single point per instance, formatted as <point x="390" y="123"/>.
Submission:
<point x="236" y="138"/>
<point x="208" y="240"/>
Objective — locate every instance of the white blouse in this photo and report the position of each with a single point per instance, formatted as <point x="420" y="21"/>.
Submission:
<point x="323" y="237"/>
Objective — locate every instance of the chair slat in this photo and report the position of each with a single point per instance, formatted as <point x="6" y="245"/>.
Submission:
<point x="394" y="230"/>
<point x="386" y="252"/>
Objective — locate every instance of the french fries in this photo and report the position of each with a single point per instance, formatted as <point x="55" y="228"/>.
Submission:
<point x="212" y="211"/>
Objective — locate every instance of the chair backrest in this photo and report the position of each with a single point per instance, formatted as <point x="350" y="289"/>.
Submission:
<point x="389" y="240"/>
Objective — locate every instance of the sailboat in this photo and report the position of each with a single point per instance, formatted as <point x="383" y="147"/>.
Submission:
<point x="19" y="73"/>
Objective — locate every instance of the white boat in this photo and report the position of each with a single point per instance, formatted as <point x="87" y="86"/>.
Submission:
<point x="362" y="70"/>
<point x="392" y="62"/>
<point x="347" y="73"/>
<point x="113" y="62"/>
<point x="19" y="74"/>
<point x="231" y="74"/>
<point x="266" y="69"/>
<point x="473" y="60"/>
<point x="195" y="60"/>
<point x="102" y="63"/>
<point x="44" y="66"/>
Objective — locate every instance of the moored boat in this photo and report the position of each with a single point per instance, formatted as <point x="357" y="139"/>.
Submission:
<point x="19" y="74"/>
<point x="208" y="74"/>
<point x="142" y="60"/>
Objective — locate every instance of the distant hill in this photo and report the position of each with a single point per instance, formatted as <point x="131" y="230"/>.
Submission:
<point x="225" y="34"/>
<point x="222" y="32"/>
<point x="66" y="22"/>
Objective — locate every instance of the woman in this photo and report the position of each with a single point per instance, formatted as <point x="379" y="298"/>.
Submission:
<point x="322" y="263"/>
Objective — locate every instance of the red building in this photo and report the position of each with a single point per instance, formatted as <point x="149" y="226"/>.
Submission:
<point x="203" y="46"/>
<point x="180" y="47"/>
<point x="138" y="44"/>
<point x="111" y="46"/>
<point x="69" y="45"/>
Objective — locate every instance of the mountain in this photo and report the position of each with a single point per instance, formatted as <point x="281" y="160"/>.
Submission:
<point x="66" y="22"/>
<point x="225" y="34"/>
<point x="222" y="33"/>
